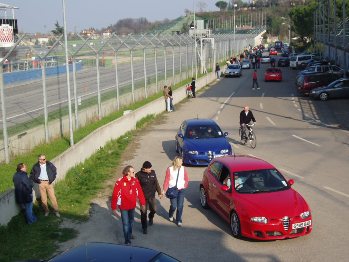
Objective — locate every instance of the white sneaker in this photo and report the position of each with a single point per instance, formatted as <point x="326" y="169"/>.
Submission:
<point x="179" y="224"/>
<point x="46" y="214"/>
<point x="57" y="214"/>
<point x="171" y="219"/>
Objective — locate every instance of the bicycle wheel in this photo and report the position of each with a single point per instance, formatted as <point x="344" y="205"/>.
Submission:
<point x="252" y="139"/>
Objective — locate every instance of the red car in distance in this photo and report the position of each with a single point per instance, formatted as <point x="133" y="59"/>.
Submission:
<point x="273" y="74"/>
<point x="273" y="51"/>
<point x="254" y="198"/>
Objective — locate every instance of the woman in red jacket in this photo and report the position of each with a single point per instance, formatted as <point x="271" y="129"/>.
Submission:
<point x="126" y="191"/>
<point x="176" y="175"/>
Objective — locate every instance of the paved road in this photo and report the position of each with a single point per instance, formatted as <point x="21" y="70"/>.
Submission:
<point x="307" y="140"/>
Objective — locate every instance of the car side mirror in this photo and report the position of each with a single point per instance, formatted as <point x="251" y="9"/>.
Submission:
<point x="224" y="188"/>
<point x="180" y="135"/>
<point x="225" y="134"/>
<point x="290" y="182"/>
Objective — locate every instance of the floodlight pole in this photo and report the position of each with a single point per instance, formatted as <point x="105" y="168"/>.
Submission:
<point x="68" y="76"/>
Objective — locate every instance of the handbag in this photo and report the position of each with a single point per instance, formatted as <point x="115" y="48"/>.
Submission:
<point x="172" y="192"/>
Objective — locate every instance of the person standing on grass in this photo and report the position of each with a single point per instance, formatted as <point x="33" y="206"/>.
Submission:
<point x="126" y="191"/>
<point x="24" y="192"/>
<point x="44" y="173"/>
<point x="193" y="86"/>
<point x="254" y="79"/>
<point x="176" y="175"/>
<point x="149" y="183"/>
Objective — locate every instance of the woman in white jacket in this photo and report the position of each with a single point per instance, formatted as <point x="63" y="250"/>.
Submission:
<point x="182" y="183"/>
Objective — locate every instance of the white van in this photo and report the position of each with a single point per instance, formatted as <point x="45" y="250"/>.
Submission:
<point x="300" y="61"/>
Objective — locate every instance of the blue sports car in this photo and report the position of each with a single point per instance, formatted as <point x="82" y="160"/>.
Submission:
<point x="198" y="141"/>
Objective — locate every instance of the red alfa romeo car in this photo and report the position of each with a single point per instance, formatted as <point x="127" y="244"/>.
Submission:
<point x="254" y="198"/>
<point x="273" y="74"/>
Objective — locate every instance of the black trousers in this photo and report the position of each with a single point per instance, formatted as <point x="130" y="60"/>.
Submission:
<point x="193" y="90"/>
<point x="151" y="206"/>
<point x="254" y="83"/>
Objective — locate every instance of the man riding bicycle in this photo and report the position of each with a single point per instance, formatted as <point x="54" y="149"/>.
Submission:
<point x="246" y="116"/>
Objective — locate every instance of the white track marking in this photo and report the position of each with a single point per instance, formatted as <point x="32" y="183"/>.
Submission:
<point x="271" y="121"/>
<point x="261" y="105"/>
<point x="298" y="109"/>
<point x="336" y="191"/>
<point x="222" y="106"/>
<point x="263" y="94"/>
<point x="290" y="173"/>
<point x="252" y="155"/>
<point x="306" y="140"/>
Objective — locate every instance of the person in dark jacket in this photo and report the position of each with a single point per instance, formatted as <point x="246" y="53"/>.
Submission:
<point x="126" y="191"/>
<point x="44" y="173"/>
<point x="24" y="192"/>
<point x="150" y="185"/>
<point x="246" y="116"/>
<point x="193" y="86"/>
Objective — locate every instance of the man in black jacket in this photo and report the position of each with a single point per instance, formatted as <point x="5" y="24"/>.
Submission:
<point x="44" y="173"/>
<point x="150" y="185"/>
<point x="193" y="86"/>
<point x="246" y="116"/>
<point x="24" y="192"/>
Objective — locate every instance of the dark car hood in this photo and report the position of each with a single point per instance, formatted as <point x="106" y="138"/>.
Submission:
<point x="273" y="204"/>
<point x="205" y="144"/>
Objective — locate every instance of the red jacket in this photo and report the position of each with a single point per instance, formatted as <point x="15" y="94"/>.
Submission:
<point x="125" y="194"/>
<point x="254" y="75"/>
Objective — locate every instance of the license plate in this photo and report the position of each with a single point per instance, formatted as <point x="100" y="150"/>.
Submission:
<point x="301" y="225"/>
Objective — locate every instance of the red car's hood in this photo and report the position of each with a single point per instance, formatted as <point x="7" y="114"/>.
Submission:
<point x="273" y="204"/>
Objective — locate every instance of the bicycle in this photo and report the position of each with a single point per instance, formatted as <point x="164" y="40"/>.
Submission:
<point x="250" y="137"/>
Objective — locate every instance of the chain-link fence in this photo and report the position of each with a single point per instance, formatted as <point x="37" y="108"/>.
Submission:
<point x="105" y="74"/>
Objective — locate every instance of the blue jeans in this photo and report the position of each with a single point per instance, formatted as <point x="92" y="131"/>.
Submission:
<point x="177" y="203"/>
<point x="31" y="218"/>
<point x="127" y="217"/>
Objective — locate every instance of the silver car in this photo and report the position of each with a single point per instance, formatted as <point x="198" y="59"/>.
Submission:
<point x="246" y="64"/>
<point x="233" y="70"/>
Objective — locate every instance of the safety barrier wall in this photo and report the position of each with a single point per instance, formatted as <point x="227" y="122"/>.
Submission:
<point x="36" y="74"/>
<point x="90" y="144"/>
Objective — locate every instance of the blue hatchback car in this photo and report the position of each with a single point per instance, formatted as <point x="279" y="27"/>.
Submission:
<point x="198" y="141"/>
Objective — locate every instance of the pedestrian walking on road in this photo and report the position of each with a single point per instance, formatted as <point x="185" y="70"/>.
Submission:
<point x="150" y="185"/>
<point x="254" y="79"/>
<point x="126" y="191"/>
<point x="218" y="70"/>
<point x="193" y="86"/>
<point x="44" y="173"/>
<point x="176" y="176"/>
<point x="24" y="192"/>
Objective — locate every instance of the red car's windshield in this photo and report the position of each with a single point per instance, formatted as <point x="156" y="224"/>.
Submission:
<point x="257" y="181"/>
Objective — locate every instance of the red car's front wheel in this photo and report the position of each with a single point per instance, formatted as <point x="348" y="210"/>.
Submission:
<point x="235" y="224"/>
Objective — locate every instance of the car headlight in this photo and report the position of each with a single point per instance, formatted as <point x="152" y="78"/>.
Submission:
<point x="193" y="152"/>
<point x="305" y="214"/>
<point x="313" y="92"/>
<point x="224" y="151"/>
<point x="261" y="220"/>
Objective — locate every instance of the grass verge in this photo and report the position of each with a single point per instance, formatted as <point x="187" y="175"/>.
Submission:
<point x="74" y="194"/>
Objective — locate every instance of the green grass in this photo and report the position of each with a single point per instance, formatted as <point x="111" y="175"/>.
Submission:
<point x="74" y="194"/>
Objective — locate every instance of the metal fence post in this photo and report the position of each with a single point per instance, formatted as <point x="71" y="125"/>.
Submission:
<point x="3" y="110"/>
<point x="180" y="64"/>
<point x="145" y="74"/>
<point x="43" y="76"/>
<point x="98" y="87"/>
<point x="132" y="76"/>
<point x="75" y="95"/>
<point x="117" y="81"/>
<point x="165" y="64"/>
<point x="156" y="70"/>
<point x="173" y="67"/>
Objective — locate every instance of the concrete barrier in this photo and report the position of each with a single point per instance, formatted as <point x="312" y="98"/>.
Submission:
<point x="97" y="139"/>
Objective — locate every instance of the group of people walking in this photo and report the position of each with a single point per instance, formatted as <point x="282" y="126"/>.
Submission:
<point x="43" y="173"/>
<point x="143" y="186"/>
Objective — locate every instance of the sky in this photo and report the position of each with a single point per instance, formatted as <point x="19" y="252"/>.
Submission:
<point x="41" y="15"/>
